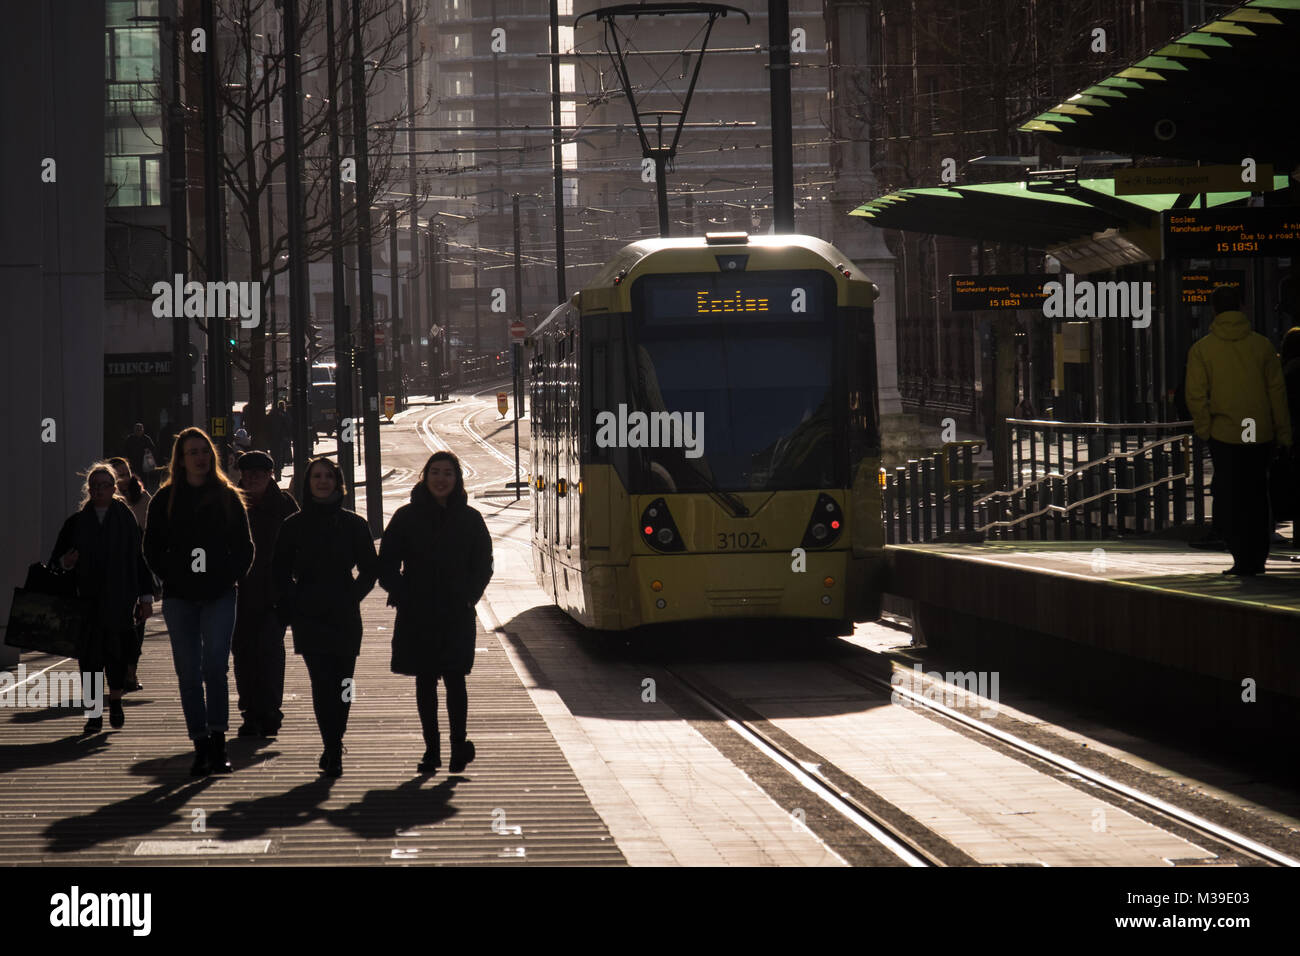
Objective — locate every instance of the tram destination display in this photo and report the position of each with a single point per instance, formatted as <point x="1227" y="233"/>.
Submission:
<point x="979" y="293"/>
<point x="780" y="295"/>
<point x="1241" y="232"/>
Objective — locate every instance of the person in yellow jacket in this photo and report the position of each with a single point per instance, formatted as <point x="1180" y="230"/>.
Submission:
<point x="1237" y="397"/>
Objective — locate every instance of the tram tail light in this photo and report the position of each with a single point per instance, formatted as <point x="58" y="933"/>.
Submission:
<point x="826" y="523"/>
<point x="657" y="528"/>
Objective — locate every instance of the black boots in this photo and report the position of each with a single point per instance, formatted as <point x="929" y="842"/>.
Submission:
<point x="461" y="754"/>
<point x="432" y="756"/>
<point x="201" y="766"/>
<point x="116" y="716"/>
<point x="217" y="759"/>
<point x="331" y="761"/>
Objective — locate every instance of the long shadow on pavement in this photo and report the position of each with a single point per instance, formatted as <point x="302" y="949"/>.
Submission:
<point x="146" y="812"/>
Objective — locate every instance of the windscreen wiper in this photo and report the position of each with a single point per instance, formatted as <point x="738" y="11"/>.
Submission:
<point x="731" y="502"/>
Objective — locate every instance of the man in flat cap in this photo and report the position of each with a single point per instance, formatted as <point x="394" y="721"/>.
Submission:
<point x="258" y="644"/>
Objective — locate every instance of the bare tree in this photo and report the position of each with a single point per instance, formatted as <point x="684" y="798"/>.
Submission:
<point x="250" y="82"/>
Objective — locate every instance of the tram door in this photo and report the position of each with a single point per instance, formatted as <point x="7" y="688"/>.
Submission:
<point x="564" y="417"/>
<point x="550" y="436"/>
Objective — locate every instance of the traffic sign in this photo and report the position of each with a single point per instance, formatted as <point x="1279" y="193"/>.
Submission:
<point x="517" y="331"/>
<point x="390" y="406"/>
<point x="381" y="336"/>
<point x="503" y="403"/>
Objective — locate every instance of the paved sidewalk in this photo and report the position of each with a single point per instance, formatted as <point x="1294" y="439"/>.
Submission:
<point x="126" y="796"/>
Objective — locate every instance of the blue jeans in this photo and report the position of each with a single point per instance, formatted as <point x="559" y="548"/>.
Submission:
<point x="200" y="633"/>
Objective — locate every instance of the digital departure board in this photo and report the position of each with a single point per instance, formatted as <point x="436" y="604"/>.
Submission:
<point x="1198" y="285"/>
<point x="977" y="293"/>
<point x="1242" y="232"/>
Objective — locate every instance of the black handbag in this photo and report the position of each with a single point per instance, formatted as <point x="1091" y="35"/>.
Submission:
<point x="46" y="615"/>
<point x="43" y="579"/>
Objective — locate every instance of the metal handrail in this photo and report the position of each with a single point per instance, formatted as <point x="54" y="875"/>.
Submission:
<point x="1126" y="455"/>
<point x="1066" y="509"/>
<point x="1137" y="426"/>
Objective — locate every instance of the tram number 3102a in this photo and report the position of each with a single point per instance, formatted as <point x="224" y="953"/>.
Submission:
<point x="731" y="540"/>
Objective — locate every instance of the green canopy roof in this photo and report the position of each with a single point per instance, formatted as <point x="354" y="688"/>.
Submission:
<point x="1037" y="214"/>
<point x="1217" y="94"/>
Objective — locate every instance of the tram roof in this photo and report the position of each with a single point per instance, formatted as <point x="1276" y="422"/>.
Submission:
<point x="682" y="255"/>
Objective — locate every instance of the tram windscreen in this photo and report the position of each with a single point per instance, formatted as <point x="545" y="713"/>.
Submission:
<point x="750" y="358"/>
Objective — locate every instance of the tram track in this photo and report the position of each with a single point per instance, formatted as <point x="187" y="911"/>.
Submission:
<point x="808" y="773"/>
<point x="1076" y="773"/>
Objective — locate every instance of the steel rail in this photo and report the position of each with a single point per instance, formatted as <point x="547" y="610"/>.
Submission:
<point x="808" y="776"/>
<point x="1185" y="817"/>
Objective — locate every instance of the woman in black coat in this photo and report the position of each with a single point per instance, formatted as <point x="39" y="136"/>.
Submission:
<point x="317" y="595"/>
<point x="435" y="562"/>
<point x="100" y="545"/>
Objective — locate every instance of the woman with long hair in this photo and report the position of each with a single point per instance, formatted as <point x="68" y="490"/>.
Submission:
<point x="132" y="491"/>
<point x="100" y="544"/>
<point x="317" y="595"/>
<point x="435" y="562"/>
<point x="198" y="543"/>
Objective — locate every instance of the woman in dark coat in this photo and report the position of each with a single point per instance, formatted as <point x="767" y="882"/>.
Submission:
<point x="131" y="490"/>
<point x="316" y="593"/>
<point x="197" y="542"/>
<point x="100" y="545"/>
<point x="435" y="562"/>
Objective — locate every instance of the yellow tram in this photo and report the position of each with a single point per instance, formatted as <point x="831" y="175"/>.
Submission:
<point x="705" y="437"/>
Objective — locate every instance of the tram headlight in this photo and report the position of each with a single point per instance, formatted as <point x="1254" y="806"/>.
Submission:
<point x="825" y="524"/>
<point x="657" y="528"/>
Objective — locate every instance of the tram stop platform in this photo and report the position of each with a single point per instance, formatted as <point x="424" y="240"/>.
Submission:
<point x="1150" y="627"/>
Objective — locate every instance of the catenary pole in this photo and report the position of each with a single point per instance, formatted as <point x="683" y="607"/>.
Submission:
<point x="369" y="374"/>
<point x="298" y="285"/>
<point x="344" y="364"/>
<point x="778" y="20"/>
